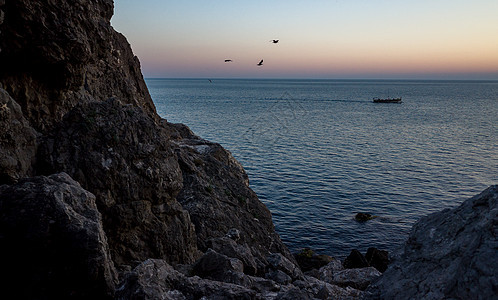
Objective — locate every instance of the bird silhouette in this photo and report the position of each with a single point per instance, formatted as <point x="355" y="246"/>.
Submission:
<point x="260" y="63"/>
<point x="228" y="60"/>
<point x="274" y="41"/>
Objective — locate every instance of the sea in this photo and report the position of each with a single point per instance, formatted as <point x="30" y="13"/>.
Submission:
<point x="317" y="152"/>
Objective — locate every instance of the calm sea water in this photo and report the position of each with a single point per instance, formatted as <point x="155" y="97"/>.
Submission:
<point x="319" y="151"/>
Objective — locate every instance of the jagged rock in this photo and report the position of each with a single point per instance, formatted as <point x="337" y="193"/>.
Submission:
<point x="355" y="260"/>
<point x="378" y="259"/>
<point x="451" y="254"/>
<point x="358" y="278"/>
<point x="217" y="196"/>
<point x="308" y="260"/>
<point x="324" y="290"/>
<point x="277" y="261"/>
<point x="278" y="276"/>
<point x="230" y="248"/>
<point x="213" y="265"/>
<point x="124" y="157"/>
<point x="17" y="141"/>
<point x="155" y="279"/>
<point x="328" y="271"/>
<point x="58" y="54"/>
<point x="53" y="243"/>
<point x="293" y="294"/>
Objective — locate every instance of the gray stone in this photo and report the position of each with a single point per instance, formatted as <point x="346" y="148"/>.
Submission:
<point x="278" y="276"/>
<point x="358" y="278"/>
<point x="230" y="248"/>
<point x="451" y="254"/>
<point x="277" y="261"/>
<point x="155" y="278"/>
<point x="53" y="243"/>
<point x="213" y="265"/>
<point x="326" y="273"/>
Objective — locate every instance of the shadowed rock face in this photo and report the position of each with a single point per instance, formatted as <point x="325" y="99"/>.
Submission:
<point x="55" y="54"/>
<point x="73" y="100"/>
<point x="449" y="255"/>
<point x="126" y="159"/>
<point x="53" y="244"/>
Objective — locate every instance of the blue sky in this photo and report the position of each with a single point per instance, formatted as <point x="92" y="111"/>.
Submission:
<point x="318" y="39"/>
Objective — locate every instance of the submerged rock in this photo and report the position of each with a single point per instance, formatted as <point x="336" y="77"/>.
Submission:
<point x="451" y="254"/>
<point x="363" y="217"/>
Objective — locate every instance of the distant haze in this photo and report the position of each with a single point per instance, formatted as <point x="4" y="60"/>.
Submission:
<point x="318" y="39"/>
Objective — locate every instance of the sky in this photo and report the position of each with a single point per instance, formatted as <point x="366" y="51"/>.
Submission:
<point x="336" y="39"/>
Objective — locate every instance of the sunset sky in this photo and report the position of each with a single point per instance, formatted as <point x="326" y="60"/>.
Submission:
<point x="437" y="39"/>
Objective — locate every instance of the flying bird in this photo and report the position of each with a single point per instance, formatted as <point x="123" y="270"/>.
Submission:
<point x="228" y="60"/>
<point x="274" y="41"/>
<point x="260" y="63"/>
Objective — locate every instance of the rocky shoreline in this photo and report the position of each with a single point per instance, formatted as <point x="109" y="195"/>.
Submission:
<point x="101" y="198"/>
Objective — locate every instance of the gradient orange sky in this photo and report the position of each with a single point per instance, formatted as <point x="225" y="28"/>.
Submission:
<point x="435" y="39"/>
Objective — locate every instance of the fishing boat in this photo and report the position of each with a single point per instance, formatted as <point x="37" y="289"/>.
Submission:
<point x="387" y="100"/>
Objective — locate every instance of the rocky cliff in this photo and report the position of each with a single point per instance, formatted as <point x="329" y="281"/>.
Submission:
<point x="75" y="110"/>
<point x="451" y="254"/>
<point x="101" y="198"/>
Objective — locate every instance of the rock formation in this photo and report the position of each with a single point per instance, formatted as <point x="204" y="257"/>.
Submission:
<point x="57" y="54"/>
<point x="101" y="198"/>
<point x="73" y="100"/>
<point x="53" y="243"/>
<point x="451" y="254"/>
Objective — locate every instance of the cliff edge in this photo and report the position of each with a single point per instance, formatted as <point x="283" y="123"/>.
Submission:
<point x="101" y="198"/>
<point x="74" y="105"/>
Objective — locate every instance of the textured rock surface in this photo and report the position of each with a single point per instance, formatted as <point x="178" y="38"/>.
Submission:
<point x="56" y="54"/>
<point x="451" y="254"/>
<point x="162" y="191"/>
<point x="155" y="279"/>
<point x="53" y="243"/>
<point x="217" y="196"/>
<point x="125" y="158"/>
<point x="17" y="141"/>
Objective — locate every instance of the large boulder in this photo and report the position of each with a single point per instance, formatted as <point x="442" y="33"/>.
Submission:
<point x="451" y="254"/>
<point x="53" y="243"/>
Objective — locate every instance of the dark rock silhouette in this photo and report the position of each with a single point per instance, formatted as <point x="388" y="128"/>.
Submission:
<point x="450" y="254"/>
<point x="355" y="260"/>
<point x="100" y="197"/>
<point x="378" y="259"/>
<point x="53" y="242"/>
<point x="56" y="55"/>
